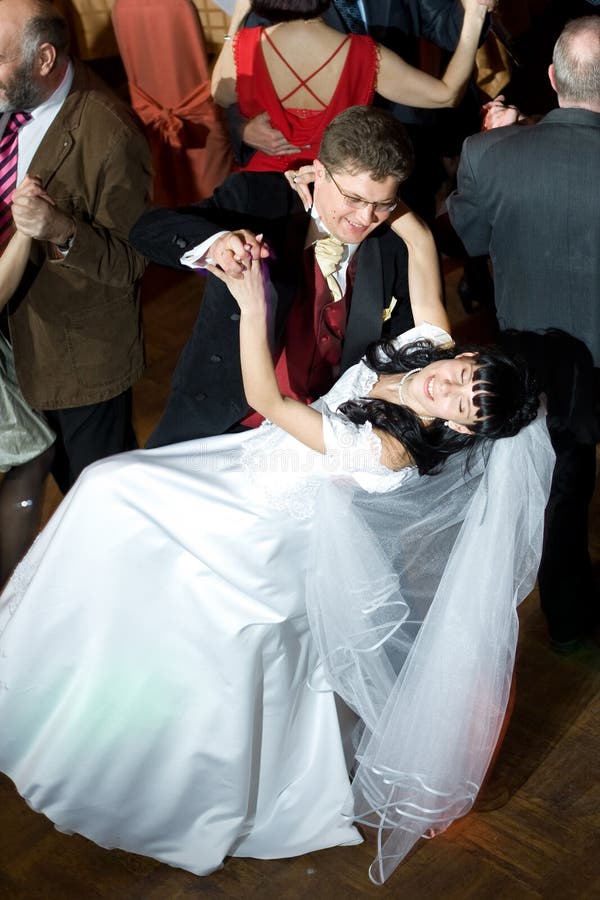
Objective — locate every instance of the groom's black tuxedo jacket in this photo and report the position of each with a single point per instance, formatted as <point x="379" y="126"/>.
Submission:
<point x="207" y="395"/>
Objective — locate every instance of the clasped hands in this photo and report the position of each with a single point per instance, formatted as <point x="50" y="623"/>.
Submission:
<point x="36" y="215"/>
<point x="247" y="288"/>
<point x="232" y="253"/>
<point x="497" y="114"/>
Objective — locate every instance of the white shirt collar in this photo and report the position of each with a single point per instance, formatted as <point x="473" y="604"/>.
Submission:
<point x="57" y="98"/>
<point x="317" y="230"/>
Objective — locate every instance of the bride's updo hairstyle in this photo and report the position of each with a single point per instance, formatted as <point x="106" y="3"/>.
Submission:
<point x="505" y="396"/>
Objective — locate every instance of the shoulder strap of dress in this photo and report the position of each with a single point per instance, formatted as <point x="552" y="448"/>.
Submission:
<point x="303" y="82"/>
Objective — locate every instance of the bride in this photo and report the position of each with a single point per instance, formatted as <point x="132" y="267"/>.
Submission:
<point x="176" y="646"/>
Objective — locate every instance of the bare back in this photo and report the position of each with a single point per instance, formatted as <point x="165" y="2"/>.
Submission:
<point x="305" y="61"/>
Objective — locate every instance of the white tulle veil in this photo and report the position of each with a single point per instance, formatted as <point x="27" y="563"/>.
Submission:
<point x="412" y="600"/>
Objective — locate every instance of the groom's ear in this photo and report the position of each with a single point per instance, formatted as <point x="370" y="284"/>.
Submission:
<point x="320" y="170"/>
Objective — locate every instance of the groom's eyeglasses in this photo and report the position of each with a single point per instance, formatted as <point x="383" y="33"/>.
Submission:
<point x="386" y="206"/>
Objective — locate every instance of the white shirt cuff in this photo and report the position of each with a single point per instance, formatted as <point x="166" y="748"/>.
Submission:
<point x="197" y="257"/>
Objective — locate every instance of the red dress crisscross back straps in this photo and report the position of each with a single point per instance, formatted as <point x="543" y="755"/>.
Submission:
<point x="301" y="127"/>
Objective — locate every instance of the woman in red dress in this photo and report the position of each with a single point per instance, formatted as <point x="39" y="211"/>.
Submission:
<point x="301" y="73"/>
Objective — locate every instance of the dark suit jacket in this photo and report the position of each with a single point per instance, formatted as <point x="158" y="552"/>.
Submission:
<point x="398" y="25"/>
<point x="390" y="22"/>
<point x="207" y="396"/>
<point x="74" y="322"/>
<point x="529" y="196"/>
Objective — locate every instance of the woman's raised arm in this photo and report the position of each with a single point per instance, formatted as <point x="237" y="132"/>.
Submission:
<point x="402" y="83"/>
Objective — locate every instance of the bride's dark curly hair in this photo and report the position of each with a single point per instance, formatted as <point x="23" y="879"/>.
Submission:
<point x="505" y="395"/>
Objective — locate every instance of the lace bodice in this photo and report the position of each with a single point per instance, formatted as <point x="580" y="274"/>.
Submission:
<point x="288" y="473"/>
<point x="356" y="446"/>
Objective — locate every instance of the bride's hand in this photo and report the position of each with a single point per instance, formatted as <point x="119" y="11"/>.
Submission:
<point x="248" y="290"/>
<point x="31" y="186"/>
<point x="298" y="180"/>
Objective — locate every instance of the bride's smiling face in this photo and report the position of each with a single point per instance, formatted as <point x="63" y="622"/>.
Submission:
<point x="445" y="389"/>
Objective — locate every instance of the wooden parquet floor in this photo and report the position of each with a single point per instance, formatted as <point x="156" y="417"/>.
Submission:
<point x="543" y="842"/>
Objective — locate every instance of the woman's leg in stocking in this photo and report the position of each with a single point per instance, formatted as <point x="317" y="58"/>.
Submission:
<point x="21" y="495"/>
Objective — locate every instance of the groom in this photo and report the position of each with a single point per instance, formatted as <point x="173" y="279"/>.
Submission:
<point x="321" y="320"/>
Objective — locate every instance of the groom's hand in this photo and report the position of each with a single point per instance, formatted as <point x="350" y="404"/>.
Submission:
<point x="230" y="251"/>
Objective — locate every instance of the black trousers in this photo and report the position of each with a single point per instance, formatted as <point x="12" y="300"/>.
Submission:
<point x="565" y="372"/>
<point x="85" y="434"/>
<point x="568" y="593"/>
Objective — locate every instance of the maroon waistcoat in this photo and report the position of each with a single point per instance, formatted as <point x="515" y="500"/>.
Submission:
<point x="315" y="332"/>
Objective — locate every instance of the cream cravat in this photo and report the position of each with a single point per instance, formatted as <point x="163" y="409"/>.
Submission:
<point x="328" y="253"/>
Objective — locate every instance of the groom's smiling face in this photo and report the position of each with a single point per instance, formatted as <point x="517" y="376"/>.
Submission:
<point x="338" y="196"/>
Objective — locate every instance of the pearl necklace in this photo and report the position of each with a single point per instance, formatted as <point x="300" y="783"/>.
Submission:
<point x="401" y="395"/>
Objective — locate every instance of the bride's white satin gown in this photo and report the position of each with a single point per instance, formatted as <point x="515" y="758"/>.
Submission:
<point x="160" y="688"/>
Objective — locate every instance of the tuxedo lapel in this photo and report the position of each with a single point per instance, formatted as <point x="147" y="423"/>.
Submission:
<point x="366" y="308"/>
<point x="286" y="268"/>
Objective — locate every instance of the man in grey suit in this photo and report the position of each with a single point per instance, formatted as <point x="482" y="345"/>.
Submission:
<point x="530" y="197"/>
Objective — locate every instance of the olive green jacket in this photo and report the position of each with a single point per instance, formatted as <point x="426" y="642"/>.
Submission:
<point x="74" y="321"/>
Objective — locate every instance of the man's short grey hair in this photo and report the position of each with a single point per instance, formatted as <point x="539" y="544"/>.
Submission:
<point x="577" y="69"/>
<point x="47" y="26"/>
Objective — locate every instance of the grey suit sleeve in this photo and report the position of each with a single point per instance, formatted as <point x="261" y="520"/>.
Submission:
<point x="467" y="208"/>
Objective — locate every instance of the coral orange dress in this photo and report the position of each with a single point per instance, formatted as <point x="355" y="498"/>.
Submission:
<point x="301" y="127"/>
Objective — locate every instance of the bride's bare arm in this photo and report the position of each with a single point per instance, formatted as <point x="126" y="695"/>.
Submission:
<point x="424" y="278"/>
<point x="14" y="258"/>
<point x="12" y="265"/>
<point x="258" y="373"/>
<point x="260" y="385"/>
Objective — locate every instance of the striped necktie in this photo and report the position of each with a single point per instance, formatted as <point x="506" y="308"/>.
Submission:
<point x="350" y="14"/>
<point x="9" y="151"/>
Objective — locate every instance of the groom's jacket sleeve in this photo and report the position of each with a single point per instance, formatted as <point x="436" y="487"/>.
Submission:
<point x="244" y="200"/>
